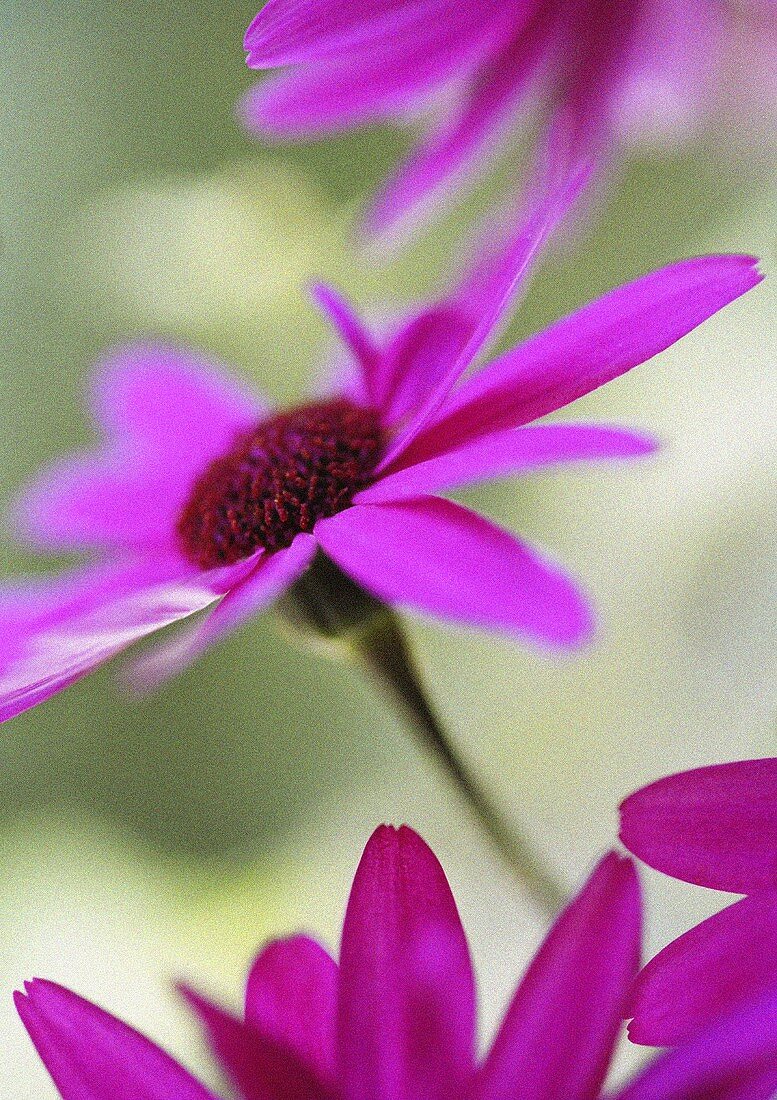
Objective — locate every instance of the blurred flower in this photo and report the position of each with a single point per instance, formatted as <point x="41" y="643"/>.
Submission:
<point x="396" y="1019"/>
<point x="606" y="72"/>
<point x="201" y="494"/>
<point x="714" y="827"/>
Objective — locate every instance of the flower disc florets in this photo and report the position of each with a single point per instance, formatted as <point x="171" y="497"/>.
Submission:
<point x="278" y="479"/>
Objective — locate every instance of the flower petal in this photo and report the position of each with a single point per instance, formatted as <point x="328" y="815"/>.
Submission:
<point x="270" y="577"/>
<point x="512" y="452"/>
<point x="259" y="1067"/>
<point x="352" y="332"/>
<point x="93" y="1056"/>
<point x="291" y="997"/>
<point x="494" y="284"/>
<point x="735" y="1058"/>
<point x="287" y="31"/>
<point x="721" y="962"/>
<point x="449" y="153"/>
<point x="419" y="357"/>
<point x="589" y="348"/>
<point x="560" y="1030"/>
<point x="407" y="1001"/>
<point x="59" y="630"/>
<point x="437" y="557"/>
<point x="129" y="493"/>
<point x="713" y="826"/>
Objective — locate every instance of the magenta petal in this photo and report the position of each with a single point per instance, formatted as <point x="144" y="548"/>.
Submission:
<point x="353" y="334"/>
<point x="291" y="997"/>
<point x="437" y="557"/>
<point x="259" y="1067"/>
<point x="93" y="1056"/>
<point x="447" y="156"/>
<point x="407" y="1001"/>
<point x="515" y="451"/>
<point x="129" y="493"/>
<point x="560" y="1030"/>
<point x="735" y="1058"/>
<point x="419" y="357"/>
<point x="489" y="291"/>
<point x="59" y="630"/>
<point x="721" y="962"/>
<point x="589" y="348"/>
<point x="714" y="826"/>
<point x="270" y="576"/>
<point x="287" y="31"/>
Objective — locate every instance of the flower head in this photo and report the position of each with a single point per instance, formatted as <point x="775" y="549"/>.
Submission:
<point x="607" y="72"/>
<point x="201" y="497"/>
<point x="396" y="1018"/>
<point x="715" y="827"/>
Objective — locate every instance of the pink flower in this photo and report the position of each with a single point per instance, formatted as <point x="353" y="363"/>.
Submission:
<point x="605" y="72"/>
<point x="396" y="1020"/>
<point x="715" y="827"/>
<point x="202" y="497"/>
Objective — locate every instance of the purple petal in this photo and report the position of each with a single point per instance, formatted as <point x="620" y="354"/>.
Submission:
<point x="93" y="1056"/>
<point x="735" y="1058"/>
<point x="589" y="348"/>
<point x="495" y="286"/>
<point x="437" y="557"/>
<point x="714" y="826"/>
<point x="57" y="631"/>
<point x="286" y="31"/>
<point x="258" y="1066"/>
<point x="270" y="577"/>
<point x="291" y="997"/>
<point x="512" y="452"/>
<point x="353" y="334"/>
<point x="560" y="1030"/>
<point x="407" y="1001"/>
<point x="419" y="357"/>
<point x="129" y="493"/>
<point x="447" y="156"/>
<point x="723" y="961"/>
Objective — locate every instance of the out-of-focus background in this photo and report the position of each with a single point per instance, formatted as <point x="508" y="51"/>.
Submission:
<point x="142" y="841"/>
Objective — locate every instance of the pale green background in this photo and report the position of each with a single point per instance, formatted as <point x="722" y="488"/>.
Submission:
<point x="142" y="841"/>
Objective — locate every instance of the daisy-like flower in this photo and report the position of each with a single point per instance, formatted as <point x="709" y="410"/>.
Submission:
<point x="200" y="496"/>
<point x="714" y="827"/>
<point x="606" y="73"/>
<point x="396" y="1019"/>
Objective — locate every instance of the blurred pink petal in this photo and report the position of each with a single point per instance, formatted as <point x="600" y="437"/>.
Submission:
<point x="353" y="334"/>
<point x="128" y="493"/>
<point x="63" y="630"/>
<point x="513" y="452"/>
<point x="732" y="1059"/>
<point x="716" y="965"/>
<point x="270" y="576"/>
<point x="259" y="1067"/>
<point x="714" y="826"/>
<point x="560" y="1030"/>
<point x="291" y="996"/>
<point x="583" y="351"/>
<point x="437" y="557"/>
<point x="404" y="967"/>
<point x="93" y="1056"/>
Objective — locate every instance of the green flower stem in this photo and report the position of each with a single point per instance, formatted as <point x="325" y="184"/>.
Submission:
<point x="352" y="623"/>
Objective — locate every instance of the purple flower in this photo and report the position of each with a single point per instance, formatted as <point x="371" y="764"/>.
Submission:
<point x="396" y="1020"/>
<point x="606" y="72"/>
<point x="715" y="827"/>
<point x="202" y="497"/>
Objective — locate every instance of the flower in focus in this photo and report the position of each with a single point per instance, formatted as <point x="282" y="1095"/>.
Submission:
<point x="714" y="827"/>
<point x="606" y="72"/>
<point x="202" y="497"/>
<point x="396" y="1019"/>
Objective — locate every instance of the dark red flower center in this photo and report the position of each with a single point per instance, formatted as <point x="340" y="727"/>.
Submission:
<point x="277" y="479"/>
